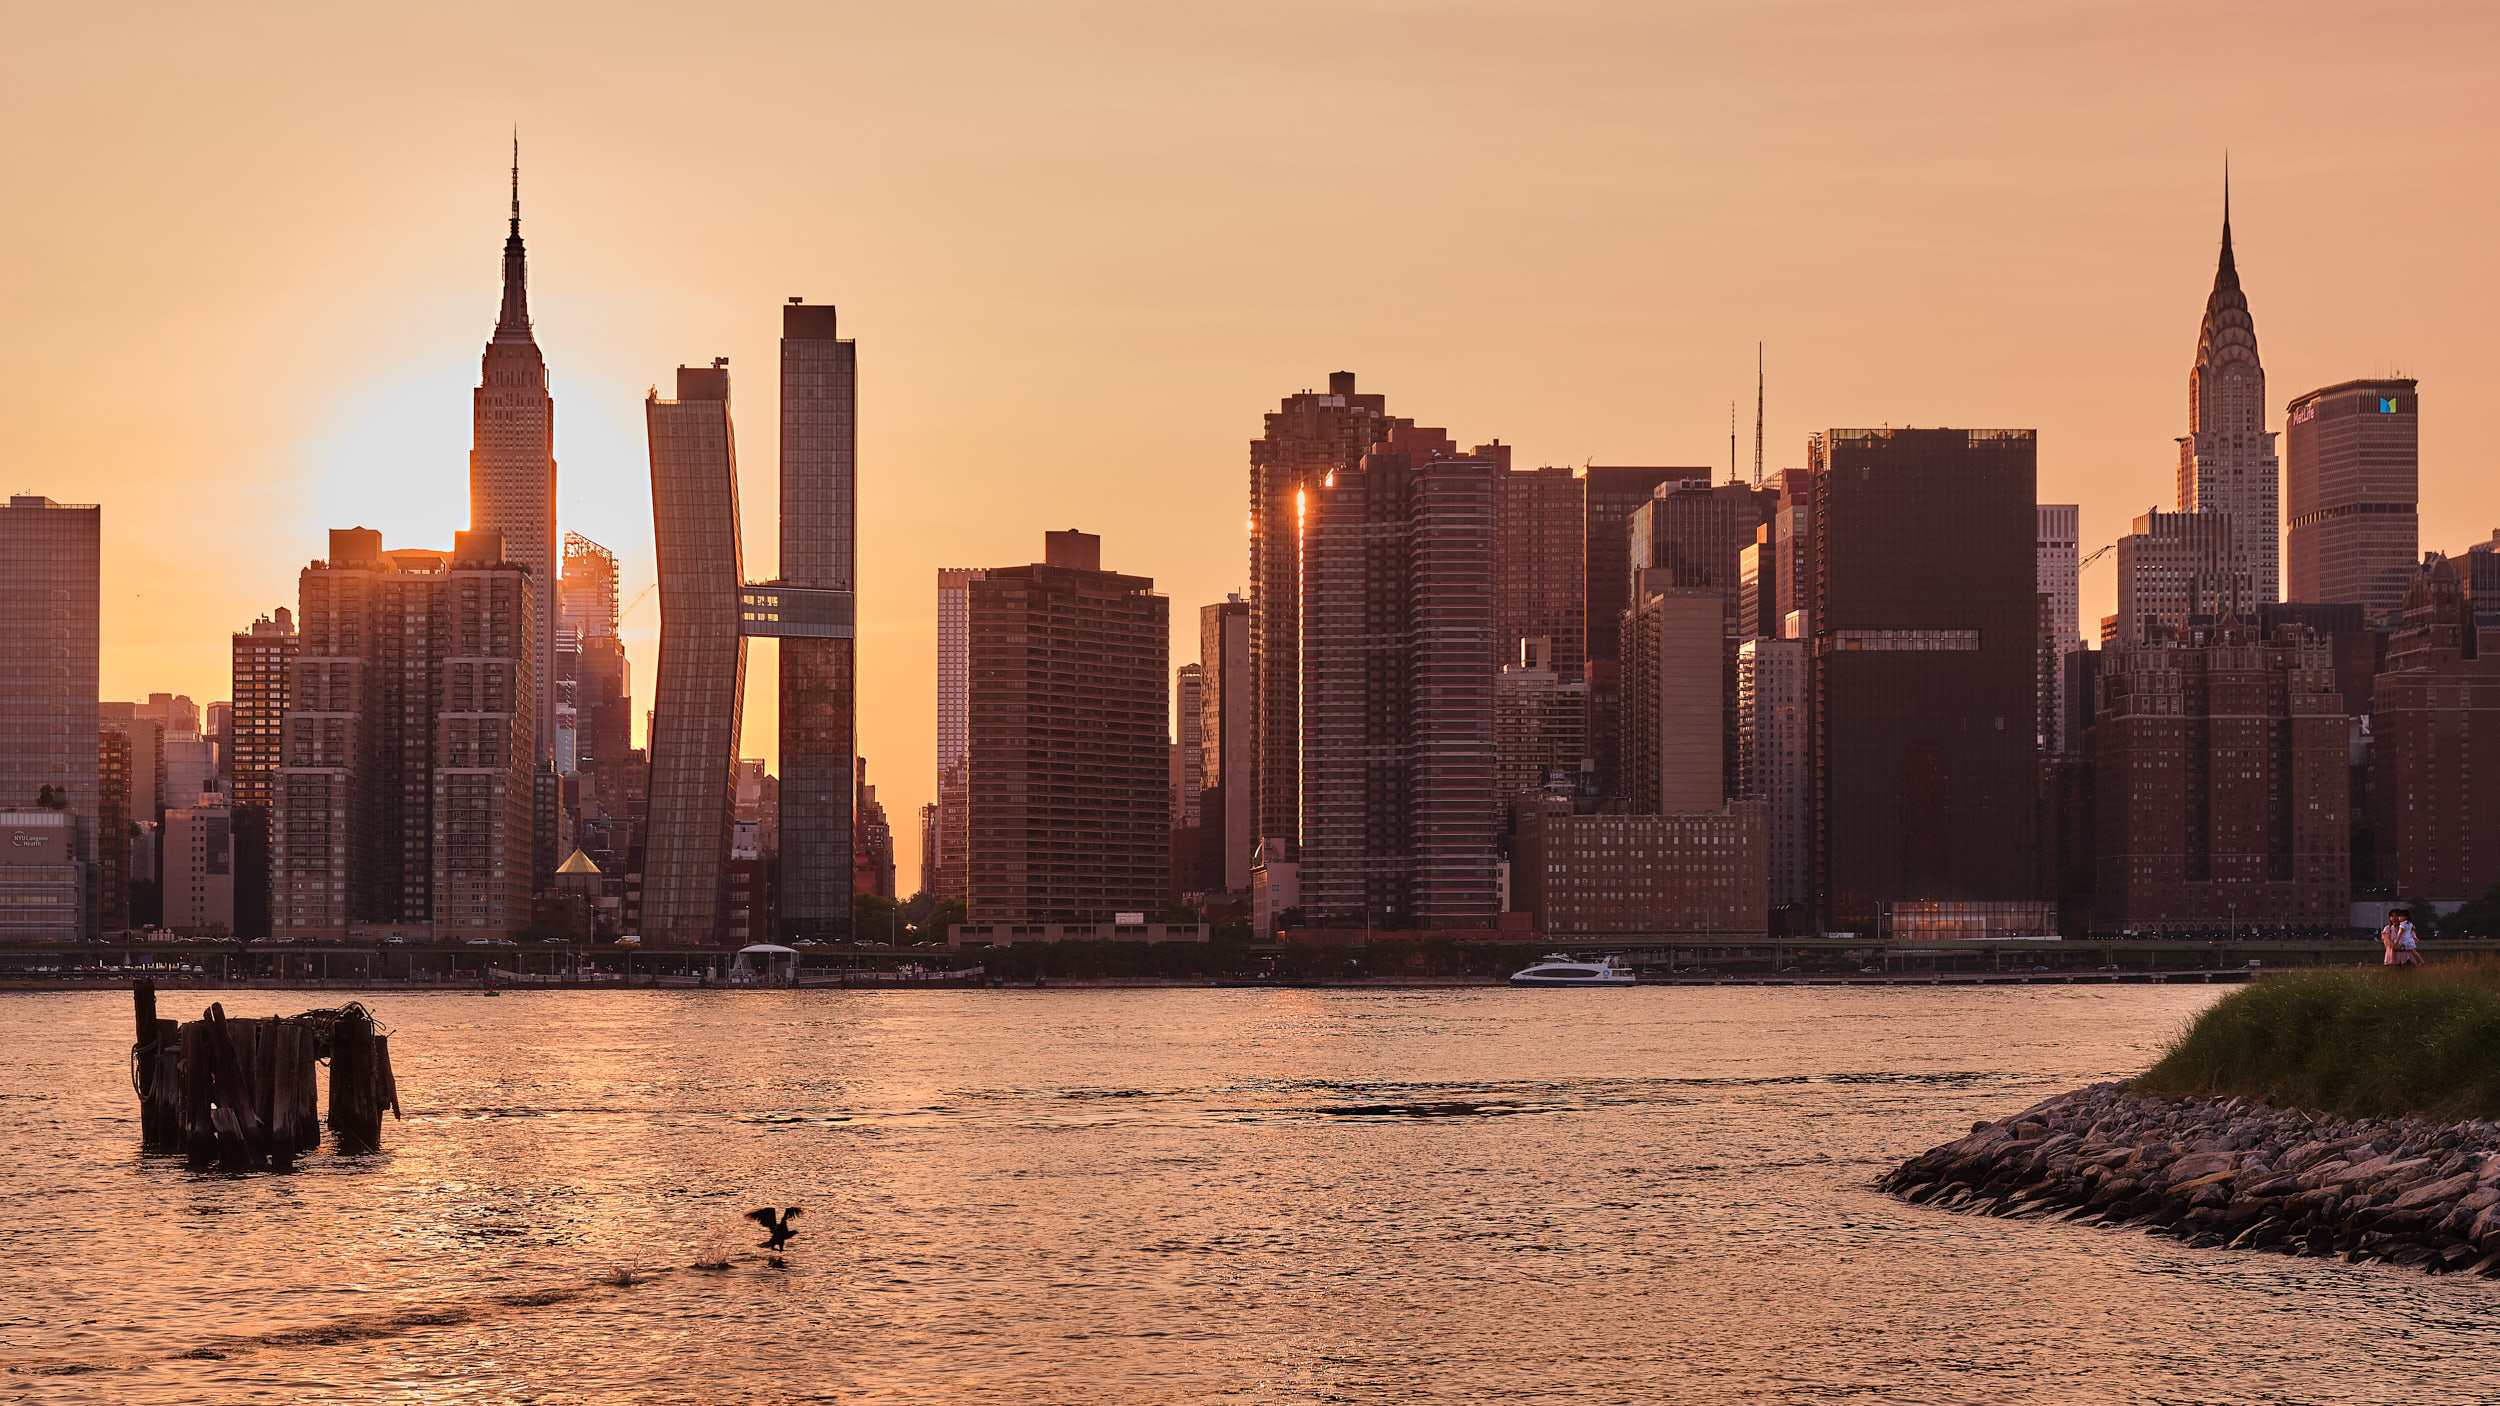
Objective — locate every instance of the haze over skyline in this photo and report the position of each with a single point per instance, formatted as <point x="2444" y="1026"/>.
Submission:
<point x="1083" y="250"/>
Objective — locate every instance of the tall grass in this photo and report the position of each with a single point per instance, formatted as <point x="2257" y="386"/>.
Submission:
<point x="2356" y="1042"/>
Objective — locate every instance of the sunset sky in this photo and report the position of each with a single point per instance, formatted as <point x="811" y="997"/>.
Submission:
<point x="250" y="260"/>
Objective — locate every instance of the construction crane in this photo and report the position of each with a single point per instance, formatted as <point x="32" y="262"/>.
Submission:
<point x="2096" y="556"/>
<point x="647" y="590"/>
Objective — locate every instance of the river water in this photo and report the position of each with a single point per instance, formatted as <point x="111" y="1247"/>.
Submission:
<point x="1662" y="1194"/>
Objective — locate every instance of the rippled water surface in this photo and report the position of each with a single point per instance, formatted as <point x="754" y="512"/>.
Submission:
<point x="1658" y="1194"/>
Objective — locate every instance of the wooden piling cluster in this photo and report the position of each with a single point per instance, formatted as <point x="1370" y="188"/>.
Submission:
<point x="244" y="1094"/>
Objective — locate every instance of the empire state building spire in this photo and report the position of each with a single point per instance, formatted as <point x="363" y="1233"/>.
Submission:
<point x="512" y="466"/>
<point x="514" y="323"/>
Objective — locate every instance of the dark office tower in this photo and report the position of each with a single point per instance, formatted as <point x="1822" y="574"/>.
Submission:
<point x="512" y="461"/>
<point x="1069" y="755"/>
<point x="113" y="836"/>
<point x="2226" y="460"/>
<point x="603" y="705"/>
<point x="585" y="616"/>
<point x="49" y="584"/>
<point x="700" y="698"/>
<point x="1228" y="833"/>
<point x="1925" y="625"/>
<point x="2435" y="764"/>
<point x="819" y="677"/>
<point x="2350" y="479"/>
<point x="1609" y="493"/>
<point x="1542" y="543"/>
<point x="1691" y="535"/>
<point x="1307" y="437"/>
<point x="1399" y="817"/>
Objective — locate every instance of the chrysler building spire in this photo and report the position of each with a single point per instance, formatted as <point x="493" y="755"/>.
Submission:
<point x="2227" y="461"/>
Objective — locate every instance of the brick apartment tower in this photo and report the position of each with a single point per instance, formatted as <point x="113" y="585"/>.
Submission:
<point x="404" y="794"/>
<point x="2435" y="783"/>
<point x="954" y="778"/>
<point x="819" y="677"/>
<point x="1923" y="661"/>
<point x="2221" y="782"/>
<point x="512" y="463"/>
<point x="2351" y="476"/>
<point x="2226" y="460"/>
<point x="1308" y="436"/>
<point x="1399" y="819"/>
<point x="1068" y="740"/>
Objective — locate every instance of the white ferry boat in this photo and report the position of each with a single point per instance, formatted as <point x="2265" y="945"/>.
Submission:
<point x="1557" y="969"/>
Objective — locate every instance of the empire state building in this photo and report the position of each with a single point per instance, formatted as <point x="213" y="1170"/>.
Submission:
<point x="512" y="466"/>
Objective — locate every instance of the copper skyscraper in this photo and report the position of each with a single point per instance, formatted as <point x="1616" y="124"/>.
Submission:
<point x="512" y="462"/>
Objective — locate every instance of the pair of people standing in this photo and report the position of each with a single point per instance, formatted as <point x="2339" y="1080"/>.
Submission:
<point x="2397" y="938"/>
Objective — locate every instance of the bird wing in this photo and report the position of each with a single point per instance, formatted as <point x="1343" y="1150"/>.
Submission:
<point x="763" y="1216"/>
<point x="789" y="1215"/>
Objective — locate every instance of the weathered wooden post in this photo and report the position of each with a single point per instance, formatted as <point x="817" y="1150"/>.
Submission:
<point x="355" y="1119"/>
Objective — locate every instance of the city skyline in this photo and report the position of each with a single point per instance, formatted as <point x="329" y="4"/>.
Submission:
<point x="2016" y="278"/>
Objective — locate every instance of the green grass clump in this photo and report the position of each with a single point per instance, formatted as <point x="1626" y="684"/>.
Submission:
<point x="2354" y="1042"/>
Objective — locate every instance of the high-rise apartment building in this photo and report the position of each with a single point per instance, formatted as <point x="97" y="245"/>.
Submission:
<point x="49" y="638"/>
<point x="954" y="778"/>
<point x="1925" y="765"/>
<point x="2181" y="569"/>
<point x="199" y="867"/>
<point x="2060" y="586"/>
<point x="602" y="688"/>
<point x="1399" y="819"/>
<point x="263" y="659"/>
<point x="700" y="697"/>
<point x="1070" y="764"/>
<point x="1774" y="765"/>
<point x="1189" y="753"/>
<point x="1228" y="803"/>
<point x="1308" y="436"/>
<point x="2221" y="782"/>
<point x="403" y="796"/>
<point x="512" y="463"/>
<point x="2435" y="757"/>
<point x="819" y="676"/>
<point x="1540" y="561"/>
<point x="1675" y="717"/>
<point x="872" y="854"/>
<point x="1610" y="493"/>
<point x="1540" y="725"/>
<point x="2227" y="462"/>
<point x="2351" y="475"/>
<point x="43" y="883"/>
<point x="1792" y="543"/>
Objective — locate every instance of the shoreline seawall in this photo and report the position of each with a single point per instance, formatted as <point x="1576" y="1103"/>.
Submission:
<point x="2231" y="1173"/>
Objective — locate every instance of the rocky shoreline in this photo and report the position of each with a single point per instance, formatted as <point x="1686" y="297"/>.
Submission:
<point x="2233" y="1174"/>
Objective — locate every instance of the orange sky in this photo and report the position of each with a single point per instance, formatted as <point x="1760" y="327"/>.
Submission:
<point x="250" y="258"/>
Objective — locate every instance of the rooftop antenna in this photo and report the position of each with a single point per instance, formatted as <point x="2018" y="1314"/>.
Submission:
<point x="516" y="179"/>
<point x="1731" y="441"/>
<point x="1757" y="414"/>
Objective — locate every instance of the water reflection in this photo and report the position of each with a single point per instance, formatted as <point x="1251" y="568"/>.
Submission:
<point x="1152" y="1196"/>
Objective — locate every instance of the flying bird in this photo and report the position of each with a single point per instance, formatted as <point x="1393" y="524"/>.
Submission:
<point x="777" y="1225"/>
